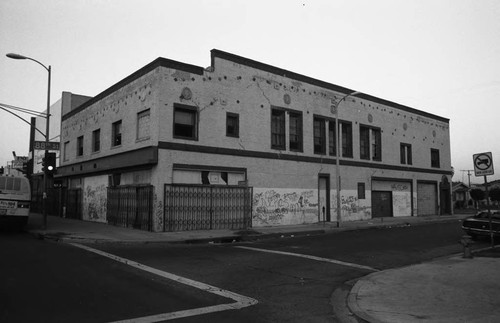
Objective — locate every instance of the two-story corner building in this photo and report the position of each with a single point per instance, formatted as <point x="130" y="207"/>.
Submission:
<point x="177" y="147"/>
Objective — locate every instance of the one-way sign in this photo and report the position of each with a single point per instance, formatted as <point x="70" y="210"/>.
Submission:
<point x="483" y="164"/>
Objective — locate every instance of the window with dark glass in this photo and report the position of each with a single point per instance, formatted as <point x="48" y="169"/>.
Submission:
<point x="295" y="129"/>
<point x="361" y="191"/>
<point x="185" y="122"/>
<point x="435" y="158"/>
<point x="278" y="129"/>
<point x="346" y="139"/>
<point x="364" y="142"/>
<point x="79" y="146"/>
<point x="370" y="143"/>
<point x="96" y="140"/>
<point x="405" y="150"/>
<point x="332" y="138"/>
<point x="319" y="136"/>
<point x="232" y="124"/>
<point x="65" y="153"/>
<point x="376" y="138"/>
<point x="116" y="133"/>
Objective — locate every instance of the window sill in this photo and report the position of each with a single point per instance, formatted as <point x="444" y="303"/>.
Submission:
<point x="185" y="138"/>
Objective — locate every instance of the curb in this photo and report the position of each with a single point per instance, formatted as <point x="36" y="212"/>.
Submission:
<point x="241" y="237"/>
<point x="352" y="302"/>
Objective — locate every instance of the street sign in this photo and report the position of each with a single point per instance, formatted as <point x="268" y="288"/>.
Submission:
<point x="42" y="145"/>
<point x="483" y="164"/>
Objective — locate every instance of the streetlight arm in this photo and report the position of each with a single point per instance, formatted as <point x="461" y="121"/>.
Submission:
<point x="346" y="96"/>
<point x="18" y="56"/>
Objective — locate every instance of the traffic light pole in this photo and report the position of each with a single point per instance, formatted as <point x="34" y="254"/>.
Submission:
<point x="45" y="174"/>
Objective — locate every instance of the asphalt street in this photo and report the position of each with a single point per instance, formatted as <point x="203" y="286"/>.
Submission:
<point x="291" y="279"/>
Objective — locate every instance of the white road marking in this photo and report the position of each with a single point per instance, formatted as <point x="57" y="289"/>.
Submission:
<point x="241" y="301"/>
<point x="333" y="261"/>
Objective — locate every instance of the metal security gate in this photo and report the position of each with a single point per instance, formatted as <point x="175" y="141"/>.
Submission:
<point x="73" y="203"/>
<point x="130" y="206"/>
<point x="196" y="207"/>
<point x="426" y="199"/>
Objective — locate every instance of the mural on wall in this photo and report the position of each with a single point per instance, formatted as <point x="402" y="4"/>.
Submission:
<point x="275" y="206"/>
<point x="94" y="203"/>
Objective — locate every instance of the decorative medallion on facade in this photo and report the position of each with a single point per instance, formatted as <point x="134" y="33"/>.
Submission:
<point x="186" y="94"/>
<point x="287" y="98"/>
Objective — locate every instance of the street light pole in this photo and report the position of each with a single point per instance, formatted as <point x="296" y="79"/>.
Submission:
<point x="337" y="153"/>
<point x="45" y="175"/>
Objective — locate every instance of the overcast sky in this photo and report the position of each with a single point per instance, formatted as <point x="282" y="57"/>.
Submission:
<point x="439" y="56"/>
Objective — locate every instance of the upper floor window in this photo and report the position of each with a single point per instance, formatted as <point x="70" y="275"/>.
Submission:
<point x="278" y="129"/>
<point x="332" y="138"/>
<point x="295" y="129"/>
<point x="364" y="142"/>
<point x="435" y="158"/>
<point x="116" y="134"/>
<point x="376" y="138"/>
<point x="370" y="143"/>
<point x="346" y="128"/>
<point x="185" y="122"/>
<point x="143" y="124"/>
<point x="405" y="152"/>
<point x="79" y="146"/>
<point x="232" y="125"/>
<point x="65" y="152"/>
<point x="96" y="140"/>
<point x="319" y="134"/>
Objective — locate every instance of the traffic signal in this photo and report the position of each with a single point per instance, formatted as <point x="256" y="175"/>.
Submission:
<point x="1" y="170"/>
<point x="49" y="163"/>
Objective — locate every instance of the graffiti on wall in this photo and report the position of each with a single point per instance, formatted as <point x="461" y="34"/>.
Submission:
<point x="352" y="208"/>
<point x="284" y="206"/>
<point x="401" y="203"/>
<point x="349" y="204"/>
<point x="95" y="203"/>
<point x="400" y="187"/>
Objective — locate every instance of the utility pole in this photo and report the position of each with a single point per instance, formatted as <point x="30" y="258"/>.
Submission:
<point x="468" y="173"/>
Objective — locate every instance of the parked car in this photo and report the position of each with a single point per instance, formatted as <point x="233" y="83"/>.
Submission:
<point x="479" y="224"/>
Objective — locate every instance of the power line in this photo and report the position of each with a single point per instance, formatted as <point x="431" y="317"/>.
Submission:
<point x="24" y="110"/>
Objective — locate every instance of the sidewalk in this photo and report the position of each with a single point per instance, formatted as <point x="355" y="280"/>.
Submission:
<point x="63" y="229"/>
<point x="450" y="289"/>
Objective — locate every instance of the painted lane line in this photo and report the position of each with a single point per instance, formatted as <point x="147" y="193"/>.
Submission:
<point x="333" y="261"/>
<point x="240" y="300"/>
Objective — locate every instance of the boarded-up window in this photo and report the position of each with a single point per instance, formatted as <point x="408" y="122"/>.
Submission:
<point x="143" y="124"/>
